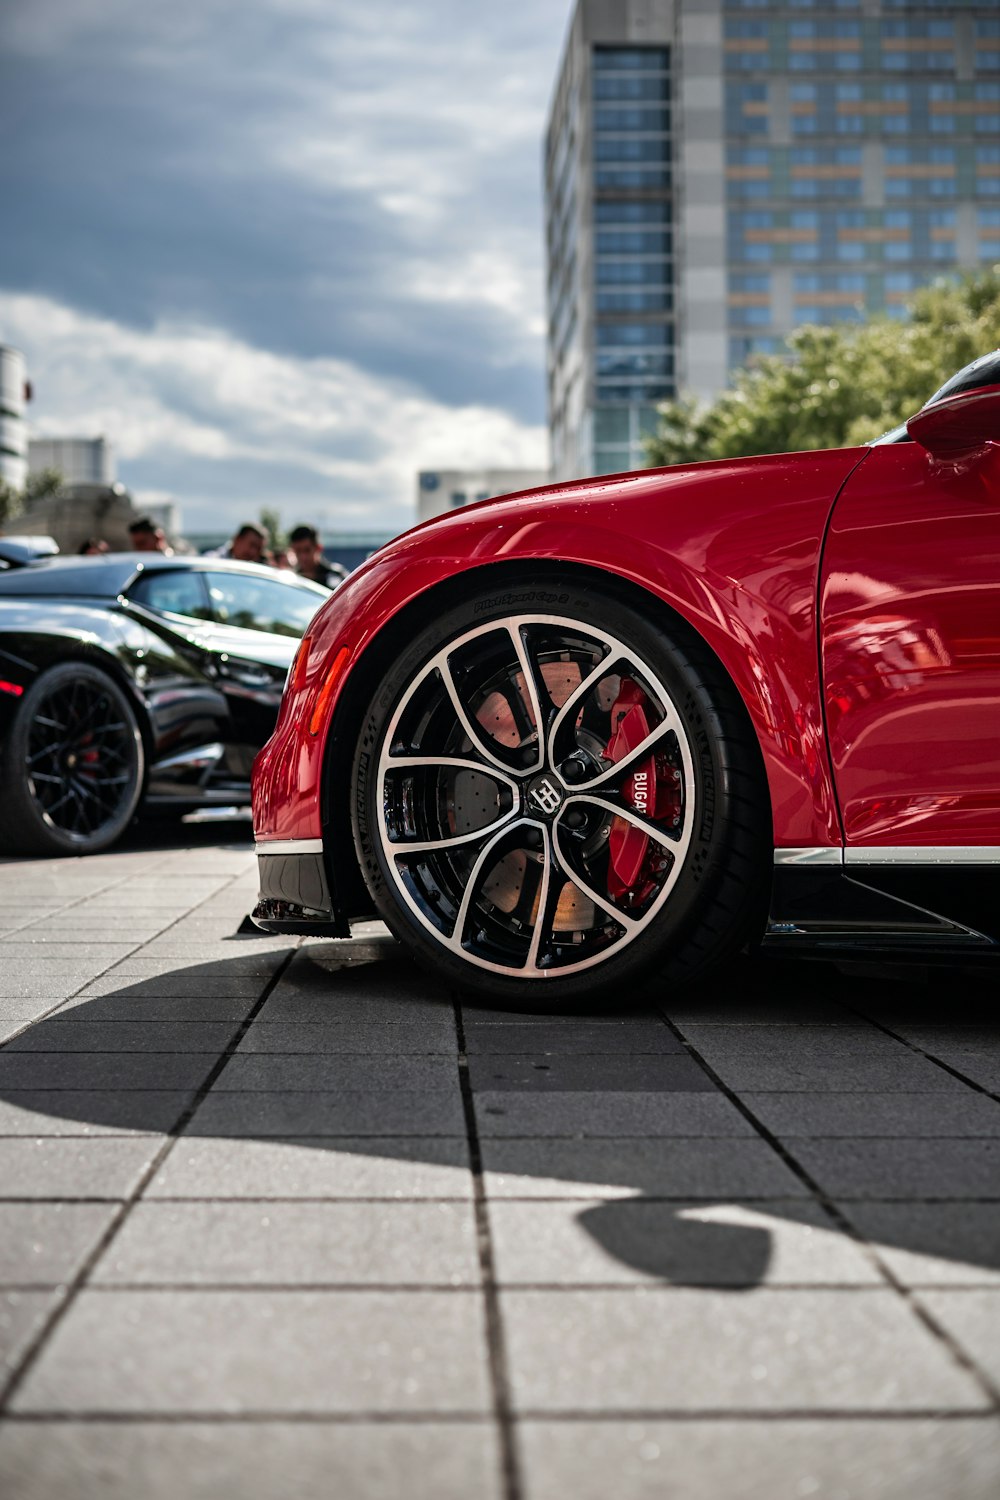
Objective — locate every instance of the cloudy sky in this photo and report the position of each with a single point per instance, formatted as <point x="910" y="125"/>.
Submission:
<point x="281" y="252"/>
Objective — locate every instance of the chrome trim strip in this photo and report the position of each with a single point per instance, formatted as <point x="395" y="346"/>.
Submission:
<point x="974" y="854"/>
<point x="822" y="854"/>
<point x="288" y="846"/>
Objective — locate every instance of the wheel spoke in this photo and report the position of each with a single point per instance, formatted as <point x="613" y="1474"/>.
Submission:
<point x="404" y="848"/>
<point x="578" y="696"/>
<point x="472" y="729"/>
<point x="676" y="840"/>
<point x="475" y="878"/>
<point x="545" y="910"/>
<point x="448" y="762"/>
<point x="590" y="890"/>
<point x="531" y="688"/>
<point x="668" y="725"/>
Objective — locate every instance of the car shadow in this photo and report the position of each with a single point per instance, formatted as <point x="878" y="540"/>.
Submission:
<point x="349" y="1048"/>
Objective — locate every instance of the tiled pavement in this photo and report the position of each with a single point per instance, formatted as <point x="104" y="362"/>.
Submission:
<point x="293" y="1221"/>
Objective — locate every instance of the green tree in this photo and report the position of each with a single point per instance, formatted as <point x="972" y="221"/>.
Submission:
<point x="38" y="487"/>
<point x="834" y="387"/>
<point x="271" y="521"/>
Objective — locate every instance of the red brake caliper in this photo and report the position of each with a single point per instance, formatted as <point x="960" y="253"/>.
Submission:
<point x="652" y="791"/>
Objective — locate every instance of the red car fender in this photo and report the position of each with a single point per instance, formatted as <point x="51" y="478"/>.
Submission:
<point x="733" y="547"/>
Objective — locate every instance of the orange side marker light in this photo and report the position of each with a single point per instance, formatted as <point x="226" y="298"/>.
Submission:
<point x="328" y="689"/>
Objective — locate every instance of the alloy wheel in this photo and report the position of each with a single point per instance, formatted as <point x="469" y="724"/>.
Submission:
<point x="537" y="796"/>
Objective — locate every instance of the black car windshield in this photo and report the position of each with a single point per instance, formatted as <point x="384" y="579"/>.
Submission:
<point x="257" y="602"/>
<point x="249" y="601"/>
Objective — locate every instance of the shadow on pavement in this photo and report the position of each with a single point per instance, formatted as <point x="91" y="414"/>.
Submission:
<point x="352" y="1050"/>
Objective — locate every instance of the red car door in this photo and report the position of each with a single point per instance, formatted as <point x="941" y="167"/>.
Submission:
<point x="910" y="631"/>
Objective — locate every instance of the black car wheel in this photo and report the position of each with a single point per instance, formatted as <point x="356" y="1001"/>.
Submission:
<point x="553" y="803"/>
<point x="71" y="769"/>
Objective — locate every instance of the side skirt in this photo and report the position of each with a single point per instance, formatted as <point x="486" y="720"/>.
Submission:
<point x="922" y="904"/>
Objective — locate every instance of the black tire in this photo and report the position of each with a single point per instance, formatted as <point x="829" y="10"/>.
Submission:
<point x="72" y="765"/>
<point x="527" y="867"/>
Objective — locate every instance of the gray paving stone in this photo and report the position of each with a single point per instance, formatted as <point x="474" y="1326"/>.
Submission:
<point x="600" y="1114"/>
<point x="542" y="1072"/>
<point x="143" y="1009"/>
<point x="679" y="1168"/>
<point x="933" y="1244"/>
<point x="172" y="987"/>
<point x="99" y="955"/>
<point x="22" y="1315"/>
<point x="345" y="1112"/>
<point x="764" y="1460"/>
<point x="596" y="1013"/>
<point x="866" y="1113"/>
<point x="815" y="1057"/>
<point x="427" y="1035"/>
<point x="316" y="1167"/>
<point x="103" y="1070"/>
<point x="980" y="1063"/>
<point x="48" y="983"/>
<point x="66" y="1035"/>
<point x="294" y="1244"/>
<point x="776" y="1243"/>
<point x="769" y="1350"/>
<point x="286" y="1004"/>
<point x="972" y="1319"/>
<point x="59" y="1168"/>
<point x="239" y="965"/>
<point x="55" y="933"/>
<point x="86" y="1112"/>
<point x="761" y="1010"/>
<point x="264" y="1352"/>
<point x="253" y="1072"/>
<point x="45" y="1244"/>
<point x="902" y="1168"/>
<point x="263" y="1461"/>
<point x="600" y="1037"/>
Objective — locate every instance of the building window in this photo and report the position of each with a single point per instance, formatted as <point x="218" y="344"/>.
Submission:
<point x="631" y="59"/>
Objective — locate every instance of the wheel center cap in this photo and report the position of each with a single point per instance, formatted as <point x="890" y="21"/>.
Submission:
<point x="70" y="761"/>
<point x="545" y="796"/>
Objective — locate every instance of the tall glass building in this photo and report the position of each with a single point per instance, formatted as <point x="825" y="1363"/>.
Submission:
<point x="719" y="171"/>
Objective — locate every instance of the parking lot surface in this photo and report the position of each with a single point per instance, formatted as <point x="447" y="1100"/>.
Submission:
<point x="288" y="1218"/>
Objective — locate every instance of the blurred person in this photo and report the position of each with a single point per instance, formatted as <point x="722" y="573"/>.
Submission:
<point x="249" y="544"/>
<point x="309" y="560"/>
<point x="148" y="537"/>
<point x="94" y="546"/>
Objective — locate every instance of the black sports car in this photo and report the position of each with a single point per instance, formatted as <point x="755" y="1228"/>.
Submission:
<point x="135" y="679"/>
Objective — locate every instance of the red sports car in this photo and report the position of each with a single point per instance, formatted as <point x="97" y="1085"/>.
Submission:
<point x="572" y="738"/>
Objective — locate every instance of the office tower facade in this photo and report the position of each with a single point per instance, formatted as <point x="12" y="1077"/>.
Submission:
<point x="720" y="171"/>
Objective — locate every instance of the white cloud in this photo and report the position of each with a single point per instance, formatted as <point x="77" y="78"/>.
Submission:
<point x="196" y="402"/>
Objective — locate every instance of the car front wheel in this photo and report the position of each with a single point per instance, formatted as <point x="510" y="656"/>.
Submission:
<point x="557" y="802"/>
<point x="71" y="768"/>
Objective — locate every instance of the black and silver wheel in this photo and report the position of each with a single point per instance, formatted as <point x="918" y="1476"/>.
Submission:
<point x="72" y="764"/>
<point x="555" y="801"/>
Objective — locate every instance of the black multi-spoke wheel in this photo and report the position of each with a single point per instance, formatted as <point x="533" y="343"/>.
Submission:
<point x="554" y="801"/>
<point x="72" y="764"/>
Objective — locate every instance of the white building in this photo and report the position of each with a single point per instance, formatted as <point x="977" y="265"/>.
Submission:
<point x="13" y="433"/>
<point x="79" y="460"/>
<point x="441" y="490"/>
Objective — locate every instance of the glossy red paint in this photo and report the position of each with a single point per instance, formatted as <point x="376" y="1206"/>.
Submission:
<point x="911" y="624"/>
<point x="732" y="546"/>
<point x="958" y="426"/>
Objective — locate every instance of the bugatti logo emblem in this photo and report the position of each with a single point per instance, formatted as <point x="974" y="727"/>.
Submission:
<point x="545" y="797"/>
